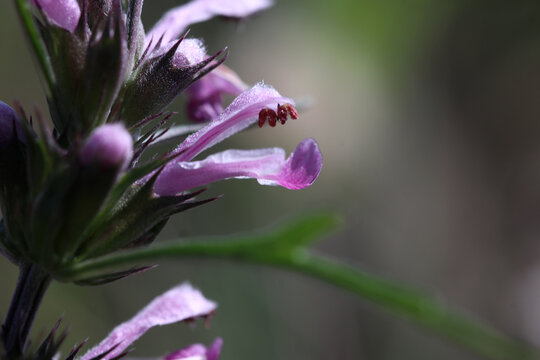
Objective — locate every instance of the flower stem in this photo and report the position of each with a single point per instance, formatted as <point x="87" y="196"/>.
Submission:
<point x="31" y="286"/>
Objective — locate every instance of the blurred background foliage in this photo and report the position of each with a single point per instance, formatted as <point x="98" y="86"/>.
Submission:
<point x="427" y="113"/>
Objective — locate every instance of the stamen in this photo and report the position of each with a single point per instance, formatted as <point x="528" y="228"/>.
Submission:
<point x="285" y="110"/>
<point x="267" y="114"/>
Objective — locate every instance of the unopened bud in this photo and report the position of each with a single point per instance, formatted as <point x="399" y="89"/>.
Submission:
<point x="169" y="70"/>
<point x="64" y="13"/>
<point x="10" y="128"/>
<point x="105" y="68"/>
<point x="109" y="146"/>
<point x="13" y="174"/>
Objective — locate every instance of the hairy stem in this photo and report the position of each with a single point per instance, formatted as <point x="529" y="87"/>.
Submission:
<point x="31" y="286"/>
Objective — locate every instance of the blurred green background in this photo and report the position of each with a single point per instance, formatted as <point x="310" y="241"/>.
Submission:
<point x="427" y="114"/>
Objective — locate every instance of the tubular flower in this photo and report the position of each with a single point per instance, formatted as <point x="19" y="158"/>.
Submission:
<point x="268" y="166"/>
<point x="180" y="303"/>
<point x="205" y="96"/>
<point x="177" y="20"/>
<point x="80" y="191"/>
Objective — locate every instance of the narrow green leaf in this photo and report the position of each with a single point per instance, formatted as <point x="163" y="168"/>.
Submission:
<point x="284" y="248"/>
<point x="35" y="40"/>
<point x="413" y="305"/>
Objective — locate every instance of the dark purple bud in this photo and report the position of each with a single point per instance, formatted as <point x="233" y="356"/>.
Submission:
<point x="10" y="127"/>
<point x="109" y="146"/>
<point x="13" y="177"/>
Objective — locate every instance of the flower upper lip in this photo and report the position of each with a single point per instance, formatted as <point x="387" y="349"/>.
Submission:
<point x="180" y="303"/>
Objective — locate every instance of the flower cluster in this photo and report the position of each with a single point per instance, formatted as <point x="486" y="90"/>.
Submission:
<point x="79" y="189"/>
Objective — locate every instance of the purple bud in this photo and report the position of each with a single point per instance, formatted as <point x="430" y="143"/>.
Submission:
<point x="64" y="13"/>
<point x="109" y="146"/>
<point x="8" y="117"/>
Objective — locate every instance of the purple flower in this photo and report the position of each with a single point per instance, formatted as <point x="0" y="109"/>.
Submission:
<point x="205" y="96"/>
<point x="64" y="13"/>
<point x="178" y="304"/>
<point x="175" y="21"/>
<point x="198" y="352"/>
<point x="109" y="146"/>
<point x="268" y="166"/>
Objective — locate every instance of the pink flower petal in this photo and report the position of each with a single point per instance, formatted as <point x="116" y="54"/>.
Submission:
<point x="268" y="166"/>
<point x="242" y="112"/>
<point x="198" y="352"/>
<point x="64" y="13"/>
<point x="176" y="20"/>
<point x="178" y="304"/>
<point x="205" y="95"/>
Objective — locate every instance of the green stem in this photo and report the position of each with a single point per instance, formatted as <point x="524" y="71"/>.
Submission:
<point x="32" y="33"/>
<point x="402" y="301"/>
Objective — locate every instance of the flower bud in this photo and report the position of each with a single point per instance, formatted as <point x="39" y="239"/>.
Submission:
<point x="12" y="164"/>
<point x="13" y="179"/>
<point x="169" y="70"/>
<point x="64" y="13"/>
<point x="109" y="146"/>
<point x="8" y="133"/>
<point x="105" y="154"/>
<point x="105" y="69"/>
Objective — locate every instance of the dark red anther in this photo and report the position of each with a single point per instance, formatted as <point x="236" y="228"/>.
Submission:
<point x="272" y="120"/>
<point x="282" y="113"/>
<point x="267" y="114"/>
<point x="285" y="110"/>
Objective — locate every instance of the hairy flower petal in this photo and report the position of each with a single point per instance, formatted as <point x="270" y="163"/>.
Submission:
<point x="198" y="352"/>
<point x="242" y="112"/>
<point x="64" y="13"/>
<point x="176" y="20"/>
<point x="205" y="95"/>
<point x="178" y="304"/>
<point x="268" y="166"/>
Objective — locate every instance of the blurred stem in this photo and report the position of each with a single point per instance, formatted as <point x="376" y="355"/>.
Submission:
<point x="32" y="33"/>
<point x="31" y="286"/>
<point x="284" y="248"/>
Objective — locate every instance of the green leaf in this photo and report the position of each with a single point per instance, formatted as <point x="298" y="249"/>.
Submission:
<point x="284" y="247"/>
<point x="23" y="8"/>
